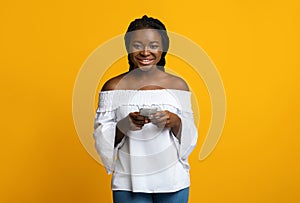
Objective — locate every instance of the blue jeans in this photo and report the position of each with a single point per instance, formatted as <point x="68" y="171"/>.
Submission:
<point x="180" y="196"/>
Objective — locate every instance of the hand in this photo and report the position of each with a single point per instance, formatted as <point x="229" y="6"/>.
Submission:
<point x="165" y="119"/>
<point x="134" y="121"/>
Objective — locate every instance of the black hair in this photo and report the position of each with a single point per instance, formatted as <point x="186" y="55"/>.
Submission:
<point x="150" y="23"/>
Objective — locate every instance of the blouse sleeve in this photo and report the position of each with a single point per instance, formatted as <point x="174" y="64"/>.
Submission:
<point x="189" y="135"/>
<point x="104" y="134"/>
<point x="189" y="132"/>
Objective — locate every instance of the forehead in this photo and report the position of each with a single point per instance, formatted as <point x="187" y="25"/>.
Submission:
<point x="145" y="35"/>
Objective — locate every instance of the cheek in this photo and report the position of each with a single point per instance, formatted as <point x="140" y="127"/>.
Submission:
<point x="132" y="59"/>
<point x="132" y="55"/>
<point x="159" y="55"/>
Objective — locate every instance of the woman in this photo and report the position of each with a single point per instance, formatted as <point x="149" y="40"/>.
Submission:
<point x="144" y="127"/>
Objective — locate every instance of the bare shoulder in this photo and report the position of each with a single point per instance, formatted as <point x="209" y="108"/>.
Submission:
<point x="112" y="83"/>
<point x="178" y="83"/>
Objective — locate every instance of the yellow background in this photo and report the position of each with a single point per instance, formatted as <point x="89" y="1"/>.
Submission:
<point x="254" y="44"/>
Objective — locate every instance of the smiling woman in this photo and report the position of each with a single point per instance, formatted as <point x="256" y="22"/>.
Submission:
<point x="144" y="125"/>
<point x="160" y="42"/>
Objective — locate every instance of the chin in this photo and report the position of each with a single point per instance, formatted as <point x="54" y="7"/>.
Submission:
<point x="146" y="68"/>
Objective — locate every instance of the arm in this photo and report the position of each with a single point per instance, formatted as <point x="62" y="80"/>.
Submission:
<point x="189" y="134"/>
<point x="180" y="121"/>
<point x="167" y="119"/>
<point x="104" y="135"/>
<point x="109" y="134"/>
<point x="107" y="137"/>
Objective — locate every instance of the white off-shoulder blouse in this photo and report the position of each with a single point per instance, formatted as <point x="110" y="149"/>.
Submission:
<point x="148" y="160"/>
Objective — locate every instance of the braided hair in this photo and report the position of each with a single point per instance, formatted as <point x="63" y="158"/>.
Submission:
<point x="150" y="23"/>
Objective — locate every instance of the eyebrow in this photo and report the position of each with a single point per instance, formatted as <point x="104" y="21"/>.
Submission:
<point x="135" y="41"/>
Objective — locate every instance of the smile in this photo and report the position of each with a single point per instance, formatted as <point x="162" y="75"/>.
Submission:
<point x="145" y="61"/>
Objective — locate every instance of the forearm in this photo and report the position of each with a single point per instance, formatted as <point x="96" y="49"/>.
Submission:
<point x="176" y="130"/>
<point x="118" y="137"/>
<point x="121" y="130"/>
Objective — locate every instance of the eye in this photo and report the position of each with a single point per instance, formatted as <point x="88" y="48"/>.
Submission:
<point x="137" y="46"/>
<point x="154" y="46"/>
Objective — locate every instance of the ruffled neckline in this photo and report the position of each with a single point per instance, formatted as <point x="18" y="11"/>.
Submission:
<point x="113" y="99"/>
<point x="154" y="90"/>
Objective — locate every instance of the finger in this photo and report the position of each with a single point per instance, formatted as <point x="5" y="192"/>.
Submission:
<point x="161" y="113"/>
<point x="137" y="122"/>
<point x="168" y="124"/>
<point x="163" y="119"/>
<point x="164" y="122"/>
<point x="134" y="127"/>
<point x="137" y="119"/>
<point x="135" y="116"/>
<point x="161" y="125"/>
<point x="156" y="115"/>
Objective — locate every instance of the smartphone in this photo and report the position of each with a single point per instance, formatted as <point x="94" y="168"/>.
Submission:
<point x="148" y="111"/>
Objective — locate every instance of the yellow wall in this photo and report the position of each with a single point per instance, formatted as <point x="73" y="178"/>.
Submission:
<point x="254" y="44"/>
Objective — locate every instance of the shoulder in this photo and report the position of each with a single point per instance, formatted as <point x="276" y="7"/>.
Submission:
<point x="112" y="83"/>
<point x="176" y="82"/>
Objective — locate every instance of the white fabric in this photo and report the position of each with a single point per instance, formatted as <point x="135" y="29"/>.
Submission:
<point x="151" y="159"/>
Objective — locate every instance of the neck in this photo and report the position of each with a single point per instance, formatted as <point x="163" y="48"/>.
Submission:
<point x="152" y="72"/>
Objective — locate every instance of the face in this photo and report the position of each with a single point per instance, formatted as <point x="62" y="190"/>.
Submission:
<point x="145" y="48"/>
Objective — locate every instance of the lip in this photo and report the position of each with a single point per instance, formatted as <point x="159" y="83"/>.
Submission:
<point x="145" y="61"/>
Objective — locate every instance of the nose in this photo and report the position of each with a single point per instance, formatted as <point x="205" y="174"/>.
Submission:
<point x="145" y="51"/>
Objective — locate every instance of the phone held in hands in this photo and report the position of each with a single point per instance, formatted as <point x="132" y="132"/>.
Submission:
<point x="148" y="111"/>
